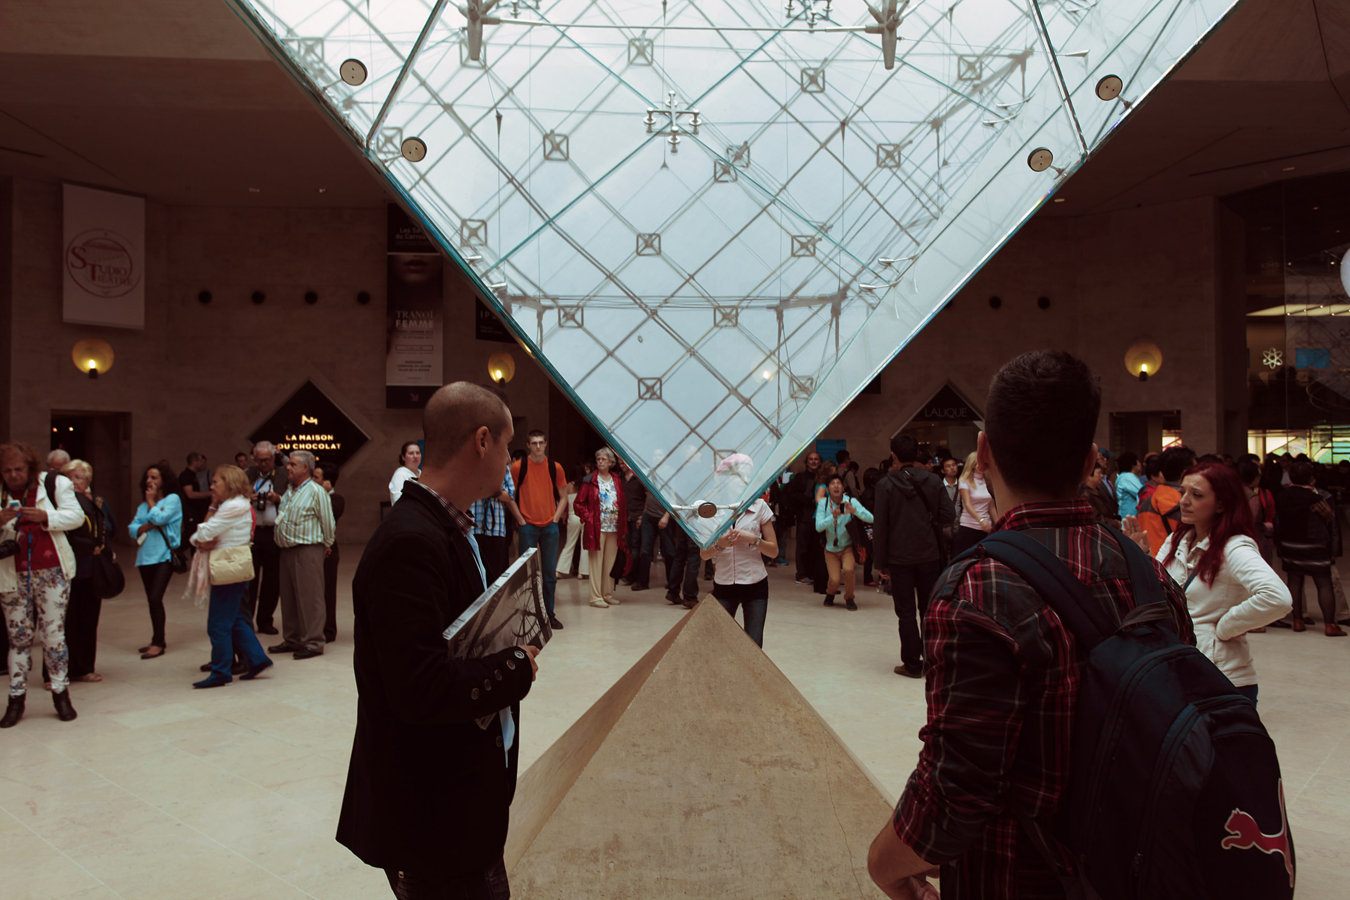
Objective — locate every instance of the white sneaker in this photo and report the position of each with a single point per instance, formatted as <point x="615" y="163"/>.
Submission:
<point x="599" y="604"/>
<point x="613" y="601"/>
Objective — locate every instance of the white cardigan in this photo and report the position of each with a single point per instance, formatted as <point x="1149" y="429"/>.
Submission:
<point x="231" y="526"/>
<point x="1246" y="594"/>
<point x="401" y="475"/>
<point x="67" y="517"/>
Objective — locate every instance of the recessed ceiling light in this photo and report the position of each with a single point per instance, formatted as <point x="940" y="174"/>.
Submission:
<point x="255" y="190"/>
<point x="323" y="190"/>
<point x="1289" y="168"/>
<point x="1059" y="199"/>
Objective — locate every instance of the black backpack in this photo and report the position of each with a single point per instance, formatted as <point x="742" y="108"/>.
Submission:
<point x="1174" y="786"/>
<point x="81" y="540"/>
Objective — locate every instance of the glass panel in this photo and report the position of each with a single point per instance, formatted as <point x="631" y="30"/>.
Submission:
<point x="716" y="222"/>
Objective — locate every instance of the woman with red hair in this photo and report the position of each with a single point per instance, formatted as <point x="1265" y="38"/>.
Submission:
<point x="1230" y="589"/>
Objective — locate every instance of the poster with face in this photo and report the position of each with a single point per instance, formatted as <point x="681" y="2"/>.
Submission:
<point x="414" y="346"/>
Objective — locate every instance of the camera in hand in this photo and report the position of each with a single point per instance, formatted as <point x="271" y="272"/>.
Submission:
<point x="260" y="502"/>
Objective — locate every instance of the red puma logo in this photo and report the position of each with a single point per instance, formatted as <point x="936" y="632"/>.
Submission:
<point x="1244" y="834"/>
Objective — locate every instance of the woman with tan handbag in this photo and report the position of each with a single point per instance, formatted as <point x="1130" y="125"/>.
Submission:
<point x="224" y="565"/>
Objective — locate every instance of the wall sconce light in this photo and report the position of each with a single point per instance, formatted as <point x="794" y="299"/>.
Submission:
<point x="501" y="367"/>
<point x="92" y="356"/>
<point x="1143" y="359"/>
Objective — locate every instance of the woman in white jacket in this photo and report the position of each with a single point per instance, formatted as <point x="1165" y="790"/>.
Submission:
<point x="229" y="523"/>
<point x="1230" y="589"/>
<point x="35" y="512"/>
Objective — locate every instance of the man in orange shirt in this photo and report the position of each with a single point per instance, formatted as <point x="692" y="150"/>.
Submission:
<point x="541" y="493"/>
<point x="1160" y="512"/>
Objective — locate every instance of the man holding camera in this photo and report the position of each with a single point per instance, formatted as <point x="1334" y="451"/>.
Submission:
<point x="268" y="485"/>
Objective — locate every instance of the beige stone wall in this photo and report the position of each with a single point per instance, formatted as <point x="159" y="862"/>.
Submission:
<point x="201" y="377"/>
<point x="1111" y="279"/>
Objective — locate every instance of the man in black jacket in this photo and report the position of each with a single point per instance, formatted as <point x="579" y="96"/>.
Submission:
<point x="800" y="498"/>
<point x="433" y="766"/>
<point x="911" y="509"/>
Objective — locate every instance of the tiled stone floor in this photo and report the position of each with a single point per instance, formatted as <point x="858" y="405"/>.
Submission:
<point x="158" y="790"/>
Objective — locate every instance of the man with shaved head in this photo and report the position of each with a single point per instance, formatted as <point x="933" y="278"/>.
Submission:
<point x="433" y="765"/>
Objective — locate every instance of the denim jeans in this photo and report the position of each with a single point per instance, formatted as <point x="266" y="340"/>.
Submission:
<point x="753" y="599"/>
<point x="907" y="583"/>
<point x="755" y="613"/>
<point x="682" y="569"/>
<point x="545" y="537"/>
<point x="229" y="628"/>
<point x="651" y="530"/>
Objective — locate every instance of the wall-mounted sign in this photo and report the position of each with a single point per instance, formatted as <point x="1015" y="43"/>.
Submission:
<point x="486" y="325"/>
<point x="414" y="345"/>
<point x="947" y="406"/>
<point x="308" y="420"/>
<point x="103" y="257"/>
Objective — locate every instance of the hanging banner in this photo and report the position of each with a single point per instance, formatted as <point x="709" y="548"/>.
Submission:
<point x="414" y="352"/>
<point x="103" y="262"/>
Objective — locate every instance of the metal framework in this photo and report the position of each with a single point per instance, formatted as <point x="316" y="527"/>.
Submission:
<point x="846" y="166"/>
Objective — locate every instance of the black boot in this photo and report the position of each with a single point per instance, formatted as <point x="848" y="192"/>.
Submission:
<point x="64" y="711"/>
<point x="13" y="713"/>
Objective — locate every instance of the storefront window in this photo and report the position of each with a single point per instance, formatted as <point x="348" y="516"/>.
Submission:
<point x="1298" y="317"/>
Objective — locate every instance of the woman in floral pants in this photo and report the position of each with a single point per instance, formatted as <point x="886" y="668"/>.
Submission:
<point x="35" y="513"/>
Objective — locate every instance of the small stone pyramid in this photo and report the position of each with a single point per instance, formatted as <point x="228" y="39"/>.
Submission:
<point x="701" y="773"/>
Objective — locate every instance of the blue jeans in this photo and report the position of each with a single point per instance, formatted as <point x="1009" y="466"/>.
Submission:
<point x="682" y="564"/>
<point x="753" y="599"/>
<point x="229" y="628"/>
<point x="651" y="529"/>
<point x="545" y="537"/>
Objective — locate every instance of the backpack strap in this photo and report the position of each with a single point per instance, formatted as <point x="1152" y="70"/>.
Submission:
<point x="1058" y="587"/>
<point x="552" y="468"/>
<point x="49" y="482"/>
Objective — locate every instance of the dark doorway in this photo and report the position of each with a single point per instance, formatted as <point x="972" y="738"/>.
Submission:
<point x="103" y="440"/>
<point x="1144" y="432"/>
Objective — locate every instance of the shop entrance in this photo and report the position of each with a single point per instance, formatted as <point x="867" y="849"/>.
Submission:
<point x="947" y="425"/>
<point x="102" y="439"/>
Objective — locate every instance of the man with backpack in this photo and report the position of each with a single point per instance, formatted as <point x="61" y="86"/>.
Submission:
<point x="1160" y="510"/>
<point x="541" y="494"/>
<point x="911" y="511"/>
<point x="1023" y="787"/>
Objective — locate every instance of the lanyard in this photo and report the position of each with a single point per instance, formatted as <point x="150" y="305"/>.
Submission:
<point x="508" y="722"/>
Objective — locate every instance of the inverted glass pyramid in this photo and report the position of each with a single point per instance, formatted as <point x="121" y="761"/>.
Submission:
<point x="716" y="221"/>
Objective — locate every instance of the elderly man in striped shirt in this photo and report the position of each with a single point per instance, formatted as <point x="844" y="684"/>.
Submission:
<point x="304" y="533"/>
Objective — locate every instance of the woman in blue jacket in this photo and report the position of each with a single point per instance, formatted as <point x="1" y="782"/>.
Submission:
<point x="156" y="526"/>
<point x="833" y="513"/>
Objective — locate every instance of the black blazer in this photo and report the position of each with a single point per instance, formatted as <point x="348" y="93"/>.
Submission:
<point x="427" y="787"/>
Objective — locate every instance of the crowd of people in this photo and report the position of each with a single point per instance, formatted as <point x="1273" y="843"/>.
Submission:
<point x="247" y="539"/>
<point x="254" y="538"/>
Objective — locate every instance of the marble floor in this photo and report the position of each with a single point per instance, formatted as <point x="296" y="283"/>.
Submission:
<point x="159" y="790"/>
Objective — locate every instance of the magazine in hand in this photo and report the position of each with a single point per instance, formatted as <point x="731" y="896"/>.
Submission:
<point x="509" y="613"/>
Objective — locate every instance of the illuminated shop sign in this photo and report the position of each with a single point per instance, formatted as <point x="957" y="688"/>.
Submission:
<point x="309" y="420"/>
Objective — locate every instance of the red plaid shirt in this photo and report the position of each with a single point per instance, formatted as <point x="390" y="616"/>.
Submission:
<point x="1002" y="680"/>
